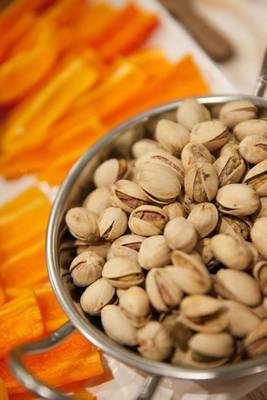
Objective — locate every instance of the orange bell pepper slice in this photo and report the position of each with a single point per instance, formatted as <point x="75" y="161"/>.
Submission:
<point x="21" y="72"/>
<point x="65" y="11"/>
<point x="3" y="391"/>
<point x="153" y="62"/>
<point x="73" y="360"/>
<point x="28" y="125"/>
<point x="2" y="297"/>
<point x="52" y="314"/>
<point x="24" y="315"/>
<point x="128" y="38"/>
<point x="24" y="269"/>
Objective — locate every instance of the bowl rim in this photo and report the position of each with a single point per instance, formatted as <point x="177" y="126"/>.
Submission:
<point x="87" y="329"/>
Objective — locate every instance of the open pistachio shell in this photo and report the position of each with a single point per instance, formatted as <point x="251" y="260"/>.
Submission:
<point x="256" y="341"/>
<point x="230" y="168"/>
<point x="260" y="273"/>
<point x="97" y="296"/>
<point x="126" y="246"/>
<point x="122" y="272"/>
<point x="250" y="127"/>
<point x="112" y="223"/>
<point x="147" y="220"/>
<point x="254" y="148"/>
<point x="237" y="199"/>
<point x="179" y="333"/>
<point x="235" y="112"/>
<point x="213" y="134"/>
<point x="154" y="341"/>
<point x="174" y="210"/>
<point x="110" y="171"/>
<point x="209" y="347"/>
<point x="242" y="319"/>
<point x="128" y="195"/>
<point x="86" y="268"/>
<point x="259" y="235"/>
<point x="256" y="178"/>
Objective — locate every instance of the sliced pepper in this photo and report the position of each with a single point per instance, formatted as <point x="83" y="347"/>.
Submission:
<point x="3" y="391"/>
<point x="153" y="62"/>
<point x="20" y="321"/>
<point x="65" y="11"/>
<point x="52" y="314"/>
<point x="24" y="269"/>
<point x="28" y="125"/>
<point x="2" y="297"/>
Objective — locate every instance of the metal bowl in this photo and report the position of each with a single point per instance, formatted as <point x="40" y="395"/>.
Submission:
<point x="59" y="250"/>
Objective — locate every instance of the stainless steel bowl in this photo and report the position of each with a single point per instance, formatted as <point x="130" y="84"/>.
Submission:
<point x="59" y="251"/>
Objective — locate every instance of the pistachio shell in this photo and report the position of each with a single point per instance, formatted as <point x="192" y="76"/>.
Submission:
<point x="231" y="225"/>
<point x="97" y="296"/>
<point x="254" y="148"/>
<point x="82" y="224"/>
<point x="172" y="136"/>
<point x="110" y="171"/>
<point x="201" y="182"/>
<point x="122" y="272"/>
<point x="194" y="277"/>
<point x="237" y="199"/>
<point x="179" y="333"/>
<point x="256" y="341"/>
<point x="144" y="146"/>
<point x="193" y="152"/>
<point x="239" y="286"/>
<point x="191" y="112"/>
<point x="128" y="195"/>
<point x="86" y="268"/>
<point x="180" y="234"/>
<point x="256" y="178"/>
<point x="174" y="210"/>
<point x="98" y="200"/>
<point x="213" y="134"/>
<point x="203" y="313"/>
<point x="250" y="128"/>
<point x="126" y="246"/>
<point x="242" y="320"/>
<point x="154" y="252"/>
<point x="231" y="251"/>
<point x="147" y="220"/>
<point x="230" y="168"/>
<point x="204" y="249"/>
<point x="260" y="273"/>
<point x="204" y="217"/>
<point x="259" y="235"/>
<point x="101" y="248"/>
<point x="112" y="223"/>
<point x="215" y="345"/>
<point x="263" y="207"/>
<point x="134" y="303"/>
<point x="237" y="111"/>
<point x="154" y="341"/>
<point x="163" y="288"/>
<point x="117" y="326"/>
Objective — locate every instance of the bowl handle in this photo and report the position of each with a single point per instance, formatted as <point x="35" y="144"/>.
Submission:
<point x="39" y="388"/>
<point x="262" y="79"/>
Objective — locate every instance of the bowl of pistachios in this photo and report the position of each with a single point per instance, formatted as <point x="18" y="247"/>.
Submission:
<point x="157" y="241"/>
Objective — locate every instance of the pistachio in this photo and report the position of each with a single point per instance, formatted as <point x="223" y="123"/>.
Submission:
<point x="122" y="272"/>
<point x="204" y="217"/>
<point x="117" y="325"/>
<point x="194" y="277"/>
<point x="144" y="146"/>
<point x="162" y="158"/>
<point x="82" y="224"/>
<point x="128" y="195"/>
<point x="230" y="168"/>
<point x="231" y="251"/>
<point x="97" y="296"/>
<point x="191" y="112"/>
<point x="180" y="234"/>
<point x="203" y="313"/>
<point x="231" y="225"/>
<point x="112" y="223"/>
<point x="193" y="152"/>
<point x="211" y="348"/>
<point x="147" y="220"/>
<point x="250" y="128"/>
<point x="163" y="288"/>
<point x="239" y="286"/>
<point x="110" y="171"/>
<point x="213" y="134"/>
<point x="179" y="333"/>
<point x="256" y="178"/>
<point x="174" y="210"/>
<point x="86" y="268"/>
<point x="101" y="248"/>
<point x="187" y="203"/>
<point x="98" y="200"/>
<point x="203" y="247"/>
<point x="259" y="235"/>
<point x="237" y="111"/>
<point x="242" y="320"/>
<point x="237" y="199"/>
<point x="256" y="341"/>
<point x="254" y="149"/>
<point x="154" y="341"/>
<point x="172" y="136"/>
<point x="134" y="303"/>
<point x="230" y="147"/>
<point x="126" y="246"/>
<point x="260" y="273"/>
<point x="263" y="207"/>
<point x="154" y="252"/>
<point x="201" y="182"/>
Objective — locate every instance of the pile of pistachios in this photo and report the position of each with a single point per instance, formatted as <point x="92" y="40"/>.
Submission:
<point x="172" y="243"/>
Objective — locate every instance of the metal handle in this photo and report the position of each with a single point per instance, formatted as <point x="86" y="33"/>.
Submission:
<point x="36" y="386"/>
<point x="262" y="79"/>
